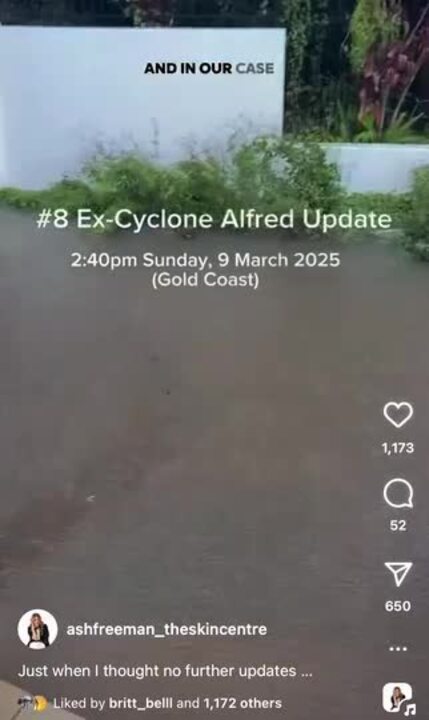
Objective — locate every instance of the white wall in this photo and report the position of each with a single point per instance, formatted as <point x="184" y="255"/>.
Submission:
<point x="377" y="167"/>
<point x="3" y="156"/>
<point x="64" y="91"/>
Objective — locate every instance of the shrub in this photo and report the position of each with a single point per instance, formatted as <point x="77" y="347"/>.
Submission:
<point x="125" y="181"/>
<point x="199" y="186"/>
<point x="397" y="205"/>
<point x="23" y="199"/>
<point x="68" y="194"/>
<point x="373" y="22"/>
<point x="416" y="221"/>
<point x="275" y="175"/>
<point x="269" y="174"/>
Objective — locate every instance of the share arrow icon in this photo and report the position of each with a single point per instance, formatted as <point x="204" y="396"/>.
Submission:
<point x="399" y="571"/>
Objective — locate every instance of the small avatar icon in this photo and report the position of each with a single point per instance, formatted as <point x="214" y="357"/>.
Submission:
<point x="40" y="703"/>
<point x="37" y="703"/>
<point x="37" y="629"/>
<point x="397" y="698"/>
<point x="26" y="702"/>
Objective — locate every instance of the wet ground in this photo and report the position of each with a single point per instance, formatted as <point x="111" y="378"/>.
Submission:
<point x="213" y="455"/>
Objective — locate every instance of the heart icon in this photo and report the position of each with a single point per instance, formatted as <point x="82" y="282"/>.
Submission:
<point x="398" y="413"/>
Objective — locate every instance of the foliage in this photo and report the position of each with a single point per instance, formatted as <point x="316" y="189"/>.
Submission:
<point x="76" y="193"/>
<point x="149" y="12"/>
<point x="217" y="13"/>
<point x="416" y="225"/>
<point x="195" y="185"/>
<point x="113" y="179"/>
<point x="270" y="174"/>
<point x="389" y="71"/>
<point x="340" y="123"/>
<point x="317" y="64"/>
<point x="319" y="30"/>
<point x="373" y="23"/>
<point x="397" y="205"/>
<point x="274" y="175"/>
<point x="400" y="130"/>
<point x="21" y="199"/>
<point x="61" y="12"/>
<point x="326" y="113"/>
<point x="297" y="20"/>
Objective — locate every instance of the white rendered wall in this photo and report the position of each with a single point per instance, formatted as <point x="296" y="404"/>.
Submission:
<point x="377" y="167"/>
<point x="66" y="91"/>
<point x="3" y="157"/>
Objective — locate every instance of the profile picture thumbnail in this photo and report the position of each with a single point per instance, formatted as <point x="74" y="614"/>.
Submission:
<point x="37" y="629"/>
<point x="395" y="695"/>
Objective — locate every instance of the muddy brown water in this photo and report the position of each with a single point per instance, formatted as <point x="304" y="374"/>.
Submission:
<point x="212" y="456"/>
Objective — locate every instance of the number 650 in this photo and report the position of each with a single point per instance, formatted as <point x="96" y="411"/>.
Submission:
<point x="398" y="606"/>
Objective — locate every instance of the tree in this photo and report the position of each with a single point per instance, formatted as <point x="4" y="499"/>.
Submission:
<point x="61" y="12"/>
<point x="214" y="13"/>
<point x="390" y="69"/>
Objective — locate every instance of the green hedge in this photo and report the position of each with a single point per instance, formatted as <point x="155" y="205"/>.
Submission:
<point x="416" y="225"/>
<point x="268" y="174"/>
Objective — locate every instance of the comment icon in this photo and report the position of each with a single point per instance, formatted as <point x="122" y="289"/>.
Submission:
<point x="399" y="493"/>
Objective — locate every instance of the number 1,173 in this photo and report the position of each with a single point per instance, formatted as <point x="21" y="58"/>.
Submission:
<point x="398" y="448"/>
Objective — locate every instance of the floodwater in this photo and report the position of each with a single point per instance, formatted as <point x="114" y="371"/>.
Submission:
<point x="203" y="455"/>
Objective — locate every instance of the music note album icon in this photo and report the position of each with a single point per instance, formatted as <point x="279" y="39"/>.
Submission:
<point x="396" y="698"/>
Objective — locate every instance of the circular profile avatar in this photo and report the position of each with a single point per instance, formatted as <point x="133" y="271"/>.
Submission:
<point x="38" y="703"/>
<point x="395" y="695"/>
<point x="37" y="629"/>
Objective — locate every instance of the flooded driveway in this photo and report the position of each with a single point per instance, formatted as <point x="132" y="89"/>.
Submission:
<point x="212" y="456"/>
